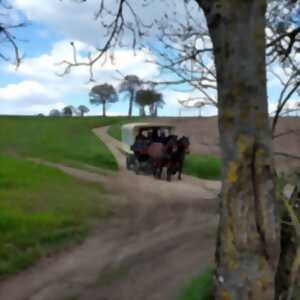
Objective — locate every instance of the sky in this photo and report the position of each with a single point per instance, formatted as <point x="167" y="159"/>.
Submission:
<point x="36" y="88"/>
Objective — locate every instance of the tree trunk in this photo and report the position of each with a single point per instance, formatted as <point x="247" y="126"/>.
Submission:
<point x="103" y="109"/>
<point x="248" y="236"/>
<point x="131" y="103"/>
<point x="142" y="111"/>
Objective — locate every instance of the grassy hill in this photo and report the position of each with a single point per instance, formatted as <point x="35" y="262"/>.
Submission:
<point x="65" y="140"/>
<point x="41" y="208"/>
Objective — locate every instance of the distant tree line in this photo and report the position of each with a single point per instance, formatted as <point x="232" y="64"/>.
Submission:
<point x="69" y="111"/>
<point x="131" y="87"/>
<point x="137" y="93"/>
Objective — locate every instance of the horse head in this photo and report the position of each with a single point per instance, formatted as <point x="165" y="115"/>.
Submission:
<point x="172" y="144"/>
<point x="184" y="143"/>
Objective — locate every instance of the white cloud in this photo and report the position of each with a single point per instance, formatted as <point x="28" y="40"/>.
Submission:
<point x="28" y="97"/>
<point x="77" y="20"/>
<point x="42" y="86"/>
<point x="45" y="67"/>
<point x="31" y="91"/>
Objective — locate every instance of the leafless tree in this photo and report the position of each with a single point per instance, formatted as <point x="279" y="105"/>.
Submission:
<point x="248" y="244"/>
<point x="8" y="39"/>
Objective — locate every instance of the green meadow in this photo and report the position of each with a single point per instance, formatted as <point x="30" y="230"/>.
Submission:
<point x="42" y="210"/>
<point x="64" y="140"/>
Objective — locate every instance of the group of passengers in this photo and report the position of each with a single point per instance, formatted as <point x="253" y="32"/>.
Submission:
<point x="155" y="136"/>
<point x="144" y="139"/>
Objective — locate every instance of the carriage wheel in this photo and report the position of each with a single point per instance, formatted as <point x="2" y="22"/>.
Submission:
<point x="130" y="162"/>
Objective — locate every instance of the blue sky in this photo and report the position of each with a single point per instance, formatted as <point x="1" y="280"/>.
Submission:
<point x="35" y="88"/>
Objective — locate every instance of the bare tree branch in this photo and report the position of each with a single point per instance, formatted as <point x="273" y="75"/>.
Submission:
<point x="6" y="32"/>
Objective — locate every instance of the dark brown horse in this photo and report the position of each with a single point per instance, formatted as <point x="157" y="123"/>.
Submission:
<point x="171" y="155"/>
<point x="160" y="154"/>
<point x="177" y="158"/>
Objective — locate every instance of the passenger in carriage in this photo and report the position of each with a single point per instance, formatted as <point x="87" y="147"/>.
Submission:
<point x="154" y="136"/>
<point x="162" y="137"/>
<point x="140" y="136"/>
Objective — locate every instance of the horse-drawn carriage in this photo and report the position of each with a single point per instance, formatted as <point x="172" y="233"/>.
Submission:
<point x="147" y="147"/>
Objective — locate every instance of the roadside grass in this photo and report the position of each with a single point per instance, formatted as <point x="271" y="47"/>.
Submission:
<point x="115" y="129"/>
<point x="201" y="166"/>
<point x="115" y="132"/>
<point x="42" y="210"/>
<point x="200" y="288"/>
<point x="67" y="140"/>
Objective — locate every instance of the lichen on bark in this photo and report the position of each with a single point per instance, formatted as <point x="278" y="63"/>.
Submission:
<point x="248" y="234"/>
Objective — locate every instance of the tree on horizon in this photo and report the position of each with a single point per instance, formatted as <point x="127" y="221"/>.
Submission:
<point x="103" y="94"/>
<point x="130" y="84"/>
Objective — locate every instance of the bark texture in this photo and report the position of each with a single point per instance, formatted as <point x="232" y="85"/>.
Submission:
<point x="248" y="237"/>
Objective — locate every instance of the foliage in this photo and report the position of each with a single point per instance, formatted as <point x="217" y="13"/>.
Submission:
<point x="54" y="113"/>
<point x="68" y="110"/>
<point x="151" y="98"/>
<point x="130" y="84"/>
<point x="147" y="97"/>
<point x="41" y="210"/>
<point x="103" y="93"/>
<point x="83" y="110"/>
<point x="200" y="288"/>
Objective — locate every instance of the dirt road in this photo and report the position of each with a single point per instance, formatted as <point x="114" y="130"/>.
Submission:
<point x="162" y="235"/>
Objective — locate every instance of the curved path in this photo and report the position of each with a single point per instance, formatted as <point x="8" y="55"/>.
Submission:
<point x="162" y="235"/>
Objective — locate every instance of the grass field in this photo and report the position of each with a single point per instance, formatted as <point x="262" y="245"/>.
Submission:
<point x="65" y="140"/>
<point x="115" y="132"/>
<point x="41" y="210"/>
<point x="200" y="288"/>
<point x="201" y="166"/>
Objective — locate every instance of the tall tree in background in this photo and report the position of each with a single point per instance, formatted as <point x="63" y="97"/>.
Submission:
<point x="54" y="113"/>
<point x="130" y="84"/>
<point x="153" y="108"/>
<point x="83" y="110"/>
<point x="103" y="94"/>
<point x="149" y="97"/>
<point x="68" y="111"/>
